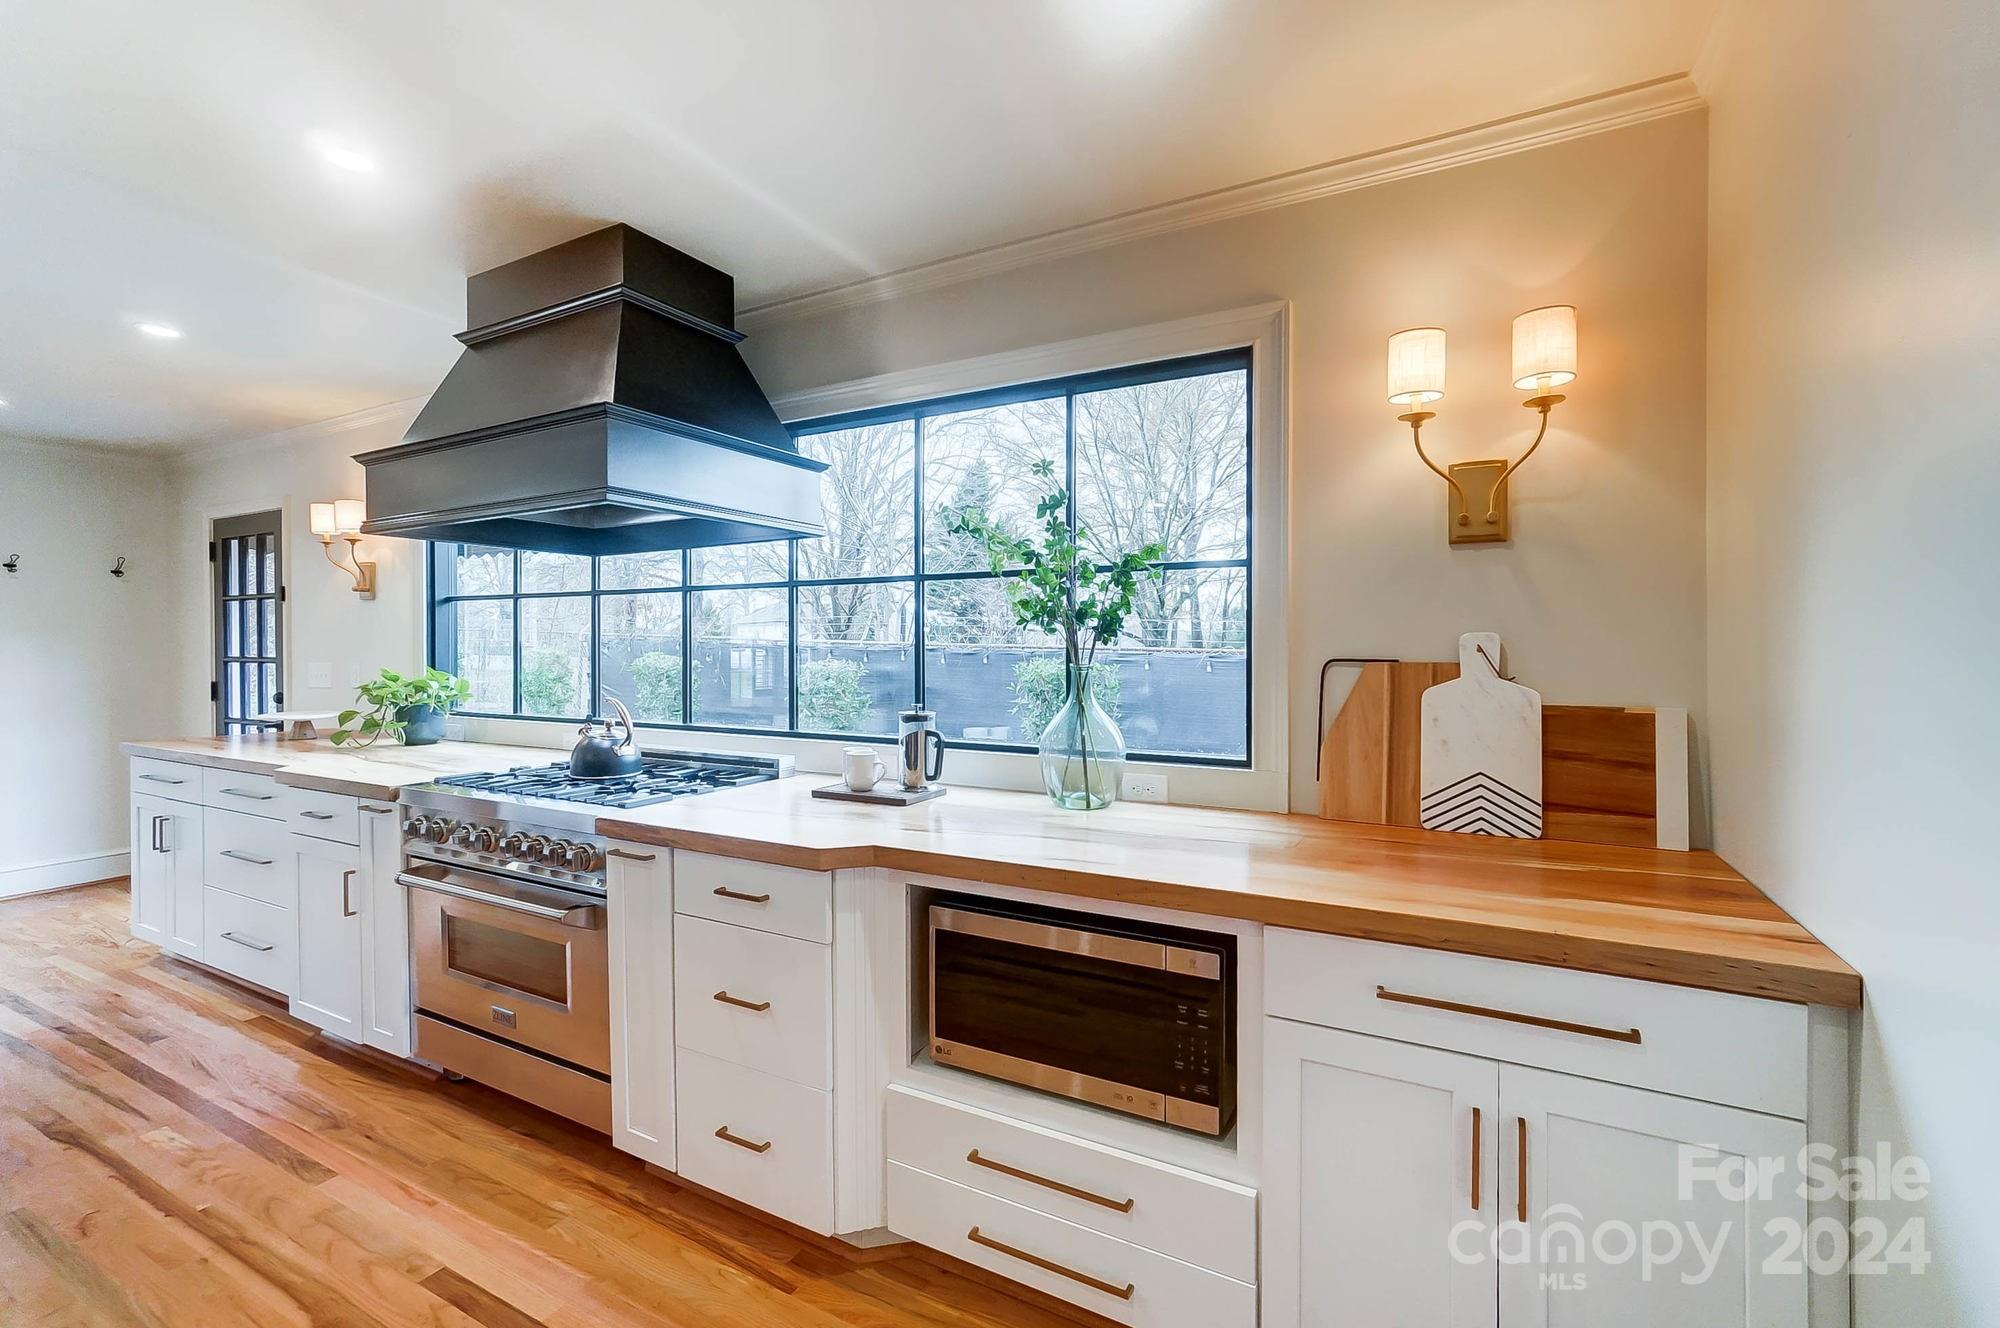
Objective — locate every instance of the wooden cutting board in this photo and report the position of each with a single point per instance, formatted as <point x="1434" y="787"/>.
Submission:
<point x="1610" y="774"/>
<point x="1479" y="771"/>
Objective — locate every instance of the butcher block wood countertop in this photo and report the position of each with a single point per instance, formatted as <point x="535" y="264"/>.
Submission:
<point x="1684" y="918"/>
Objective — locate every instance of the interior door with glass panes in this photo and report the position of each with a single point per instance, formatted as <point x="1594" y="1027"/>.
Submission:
<point x="249" y="631"/>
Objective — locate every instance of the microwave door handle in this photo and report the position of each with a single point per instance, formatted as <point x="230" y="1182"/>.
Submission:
<point x="579" y="915"/>
<point x="1155" y="955"/>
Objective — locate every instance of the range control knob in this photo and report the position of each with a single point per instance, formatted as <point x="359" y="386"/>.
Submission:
<point x="514" y="845"/>
<point x="536" y="848"/>
<point x="485" y="838"/>
<point x="417" y="826"/>
<point x="463" y="836"/>
<point x="582" y="858"/>
<point x="439" y="831"/>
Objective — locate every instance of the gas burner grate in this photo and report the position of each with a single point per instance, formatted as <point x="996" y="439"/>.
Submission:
<point x="661" y="779"/>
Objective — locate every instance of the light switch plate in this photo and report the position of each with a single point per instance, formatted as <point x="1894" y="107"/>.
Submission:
<point x="319" y="675"/>
<point x="1144" y="786"/>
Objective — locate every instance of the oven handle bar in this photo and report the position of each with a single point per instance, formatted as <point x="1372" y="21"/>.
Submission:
<point x="587" y="916"/>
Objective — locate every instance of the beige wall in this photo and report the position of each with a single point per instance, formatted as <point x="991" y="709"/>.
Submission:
<point x="1854" y="389"/>
<point x="1599" y="597"/>
<point x="77" y="656"/>
<point x="325" y="621"/>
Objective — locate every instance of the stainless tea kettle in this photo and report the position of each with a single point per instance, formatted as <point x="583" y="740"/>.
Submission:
<point x="598" y="754"/>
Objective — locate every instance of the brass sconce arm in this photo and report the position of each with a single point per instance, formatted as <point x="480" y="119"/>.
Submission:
<point x="1416" y="419"/>
<point x="1544" y="404"/>
<point x="362" y="572"/>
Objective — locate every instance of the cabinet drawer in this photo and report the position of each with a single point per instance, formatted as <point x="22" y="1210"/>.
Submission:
<point x="765" y="1141"/>
<point x="233" y="790"/>
<point x="1203" y="1221"/>
<point x="248" y="855"/>
<point x="1719" y="1047"/>
<point x="250" y="939"/>
<point x="321" y="815"/>
<point x="1117" y="1280"/>
<point x="791" y="1036"/>
<point x="784" y="900"/>
<point x="166" y="779"/>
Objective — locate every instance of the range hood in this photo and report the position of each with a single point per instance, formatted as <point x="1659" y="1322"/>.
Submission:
<point x="600" y="407"/>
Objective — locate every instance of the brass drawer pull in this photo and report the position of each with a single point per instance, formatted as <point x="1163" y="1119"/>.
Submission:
<point x="727" y="893"/>
<point x="246" y="793"/>
<point x="741" y="1004"/>
<point x="1521" y="1170"/>
<point x="1533" y="1020"/>
<point x="722" y="1133"/>
<point x="379" y="810"/>
<point x="245" y="857"/>
<point x="317" y="816"/>
<point x="1478" y="1137"/>
<point x="630" y="857"/>
<point x="257" y="945"/>
<point x="1123" y="1293"/>
<point x="1115" y="1205"/>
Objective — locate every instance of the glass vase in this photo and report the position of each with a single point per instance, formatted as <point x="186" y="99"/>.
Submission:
<point x="1082" y="751"/>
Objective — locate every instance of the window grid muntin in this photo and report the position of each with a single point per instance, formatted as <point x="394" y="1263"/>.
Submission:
<point x="917" y="414"/>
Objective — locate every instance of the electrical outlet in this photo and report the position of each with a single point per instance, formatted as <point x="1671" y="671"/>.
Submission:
<point x="454" y="730"/>
<point x="319" y="675"/>
<point x="1145" y="786"/>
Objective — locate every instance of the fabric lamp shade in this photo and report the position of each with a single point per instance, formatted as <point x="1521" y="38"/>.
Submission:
<point x="1545" y="348"/>
<point x="1416" y="366"/>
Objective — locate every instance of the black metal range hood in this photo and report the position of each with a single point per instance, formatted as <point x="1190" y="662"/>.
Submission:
<point x="600" y="407"/>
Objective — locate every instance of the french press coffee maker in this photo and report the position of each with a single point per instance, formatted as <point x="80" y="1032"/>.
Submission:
<point x="922" y="748"/>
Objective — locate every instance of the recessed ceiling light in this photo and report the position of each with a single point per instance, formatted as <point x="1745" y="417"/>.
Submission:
<point x="341" y="156"/>
<point x="164" y="331"/>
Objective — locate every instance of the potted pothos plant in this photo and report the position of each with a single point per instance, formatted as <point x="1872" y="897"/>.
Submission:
<point x="1071" y="591"/>
<point x="409" y="709"/>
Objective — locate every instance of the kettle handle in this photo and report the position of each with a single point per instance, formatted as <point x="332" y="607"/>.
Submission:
<point x="631" y="739"/>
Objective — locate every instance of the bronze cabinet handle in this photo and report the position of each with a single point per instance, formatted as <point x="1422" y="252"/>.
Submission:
<point x="630" y="857"/>
<point x="741" y="1004"/>
<point x="727" y="893"/>
<point x="1478" y="1140"/>
<point x="317" y="816"/>
<point x="1115" y="1205"/>
<point x="347" y="909"/>
<point x="1048" y="1265"/>
<point x="1521" y="1169"/>
<point x="1486" y="1012"/>
<point x="246" y="793"/>
<point x="366" y="808"/>
<point x="722" y="1133"/>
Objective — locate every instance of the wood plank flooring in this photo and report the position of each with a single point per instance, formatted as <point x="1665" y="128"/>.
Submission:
<point x="175" y="1150"/>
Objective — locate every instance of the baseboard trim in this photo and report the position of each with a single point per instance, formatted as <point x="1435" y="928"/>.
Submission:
<point x="38" y="878"/>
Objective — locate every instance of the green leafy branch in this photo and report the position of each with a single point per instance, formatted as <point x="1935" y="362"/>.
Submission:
<point x="1061" y="589"/>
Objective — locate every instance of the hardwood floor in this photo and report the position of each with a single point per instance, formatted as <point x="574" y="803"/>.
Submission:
<point x="176" y="1150"/>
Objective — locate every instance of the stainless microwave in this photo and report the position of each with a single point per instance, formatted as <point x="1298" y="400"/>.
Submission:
<point x="1137" y="1018"/>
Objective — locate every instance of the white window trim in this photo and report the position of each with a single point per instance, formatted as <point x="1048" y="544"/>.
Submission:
<point x="1265" y="329"/>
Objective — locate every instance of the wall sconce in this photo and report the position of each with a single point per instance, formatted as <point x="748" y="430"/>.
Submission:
<point x="1544" y="359"/>
<point x="343" y="518"/>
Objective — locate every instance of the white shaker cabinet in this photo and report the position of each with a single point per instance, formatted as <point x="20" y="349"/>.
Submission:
<point x="1606" y="1160"/>
<point x="332" y="934"/>
<point x="166" y="874"/>
<point x="1379" y="1154"/>
<point x="640" y="919"/>
<point x="385" y="948"/>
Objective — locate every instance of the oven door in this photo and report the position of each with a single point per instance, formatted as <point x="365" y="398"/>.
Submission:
<point x="512" y="959"/>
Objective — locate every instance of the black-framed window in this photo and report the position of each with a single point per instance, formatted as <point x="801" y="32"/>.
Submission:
<point x="830" y="637"/>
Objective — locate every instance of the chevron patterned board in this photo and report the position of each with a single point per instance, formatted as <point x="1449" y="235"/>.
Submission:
<point x="1480" y="761"/>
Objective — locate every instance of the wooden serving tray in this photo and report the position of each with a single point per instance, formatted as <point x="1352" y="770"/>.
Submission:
<point x="889" y="797"/>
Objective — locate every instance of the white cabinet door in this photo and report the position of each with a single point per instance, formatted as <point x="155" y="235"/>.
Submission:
<point x="1613" y="1173"/>
<point x="640" y="923"/>
<point x="331" y="932"/>
<point x="1379" y="1182"/>
<point x="385" y="966"/>
<point x="166" y="874"/>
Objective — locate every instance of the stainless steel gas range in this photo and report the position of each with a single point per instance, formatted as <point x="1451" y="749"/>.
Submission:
<point x="505" y="874"/>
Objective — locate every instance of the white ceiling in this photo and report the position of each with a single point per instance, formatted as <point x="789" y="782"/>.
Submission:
<point x="154" y="160"/>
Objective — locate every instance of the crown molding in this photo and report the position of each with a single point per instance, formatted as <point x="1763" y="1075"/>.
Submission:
<point x="1597" y="114"/>
<point x="407" y="407"/>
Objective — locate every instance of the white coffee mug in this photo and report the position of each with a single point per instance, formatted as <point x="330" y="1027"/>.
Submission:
<point x="862" y="768"/>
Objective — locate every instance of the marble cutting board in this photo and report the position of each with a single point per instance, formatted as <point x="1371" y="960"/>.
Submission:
<point x="1480" y="759"/>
